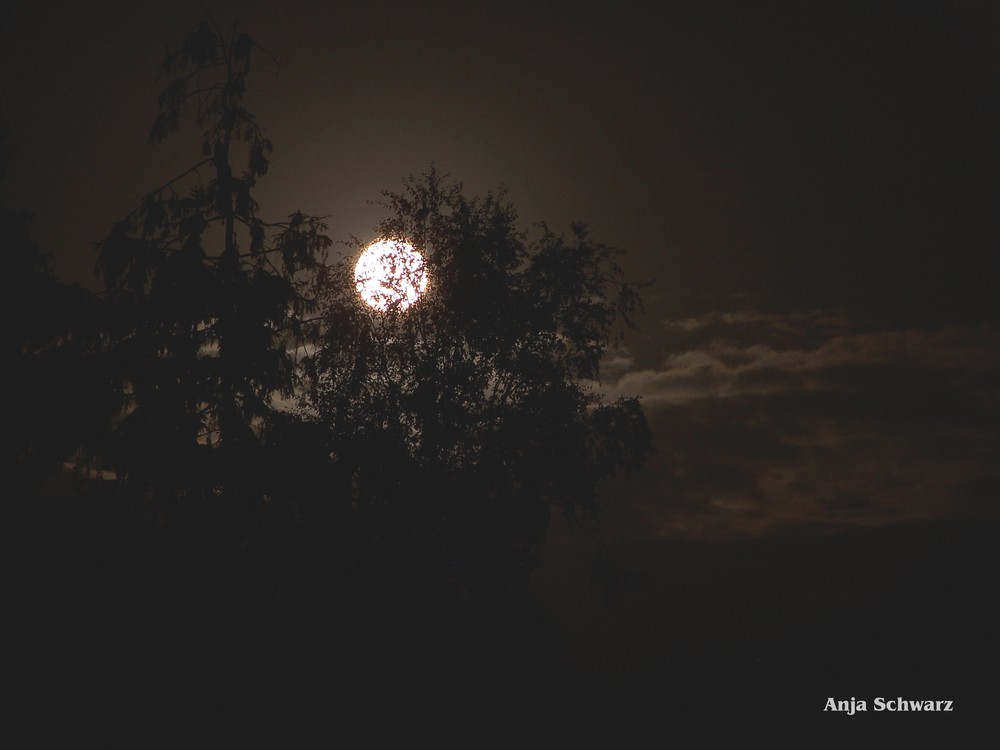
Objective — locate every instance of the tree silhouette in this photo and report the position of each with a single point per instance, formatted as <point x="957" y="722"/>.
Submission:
<point x="457" y="424"/>
<point x="49" y="342"/>
<point x="207" y="299"/>
<point x="432" y="440"/>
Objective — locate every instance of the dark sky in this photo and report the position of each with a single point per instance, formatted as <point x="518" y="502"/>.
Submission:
<point x="813" y="186"/>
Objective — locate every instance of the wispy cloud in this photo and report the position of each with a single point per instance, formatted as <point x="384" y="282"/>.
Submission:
<point x="765" y="420"/>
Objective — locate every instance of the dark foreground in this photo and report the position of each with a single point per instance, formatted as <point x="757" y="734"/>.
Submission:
<point x="119" y="622"/>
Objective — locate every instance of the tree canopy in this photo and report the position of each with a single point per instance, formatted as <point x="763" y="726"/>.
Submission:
<point x="457" y="424"/>
<point x="208" y="299"/>
<point x="400" y="465"/>
<point x="430" y="441"/>
<point x="56" y="381"/>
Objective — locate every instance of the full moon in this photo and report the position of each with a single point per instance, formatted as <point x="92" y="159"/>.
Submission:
<point x="390" y="275"/>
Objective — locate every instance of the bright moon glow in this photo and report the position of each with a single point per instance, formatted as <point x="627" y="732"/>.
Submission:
<point x="390" y="275"/>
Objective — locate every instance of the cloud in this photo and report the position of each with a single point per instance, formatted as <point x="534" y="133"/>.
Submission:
<point x="763" y="421"/>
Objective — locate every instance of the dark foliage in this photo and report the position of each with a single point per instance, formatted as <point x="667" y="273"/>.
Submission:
<point x="52" y="374"/>
<point x="207" y="299"/>
<point x="456" y="425"/>
<point x="389" y="524"/>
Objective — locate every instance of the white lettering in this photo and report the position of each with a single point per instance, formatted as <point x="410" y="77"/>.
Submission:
<point x="900" y="704"/>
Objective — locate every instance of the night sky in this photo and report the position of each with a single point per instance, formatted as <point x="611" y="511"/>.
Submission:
<point x="812" y="188"/>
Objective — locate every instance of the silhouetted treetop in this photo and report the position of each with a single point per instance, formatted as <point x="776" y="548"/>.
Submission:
<point x="209" y="298"/>
<point x="457" y="423"/>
